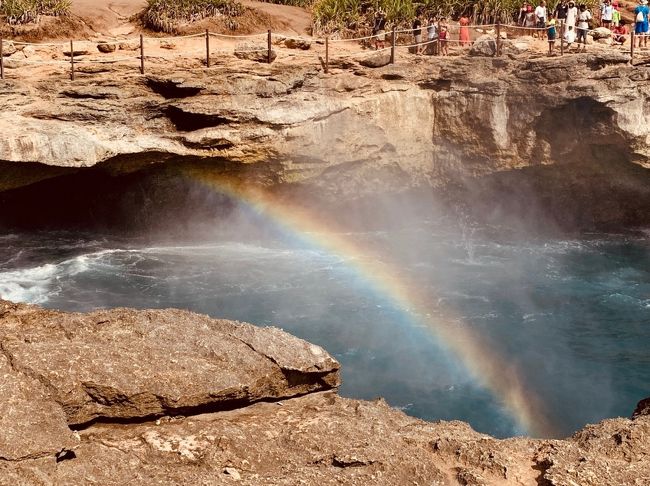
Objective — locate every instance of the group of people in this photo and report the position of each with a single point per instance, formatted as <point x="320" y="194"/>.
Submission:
<point x="437" y="33"/>
<point x="576" y="21"/>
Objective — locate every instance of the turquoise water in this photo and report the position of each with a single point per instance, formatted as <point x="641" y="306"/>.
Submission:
<point x="573" y="315"/>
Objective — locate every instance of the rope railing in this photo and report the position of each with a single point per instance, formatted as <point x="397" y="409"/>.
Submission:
<point x="79" y="54"/>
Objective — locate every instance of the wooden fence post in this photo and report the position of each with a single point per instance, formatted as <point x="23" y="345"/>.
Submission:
<point x="561" y="37"/>
<point x="632" y="44"/>
<point x="141" y="54"/>
<point x="327" y="54"/>
<point x="2" y="62"/>
<point x="393" y="41"/>
<point x="71" y="61"/>
<point x="498" y="52"/>
<point x="268" y="56"/>
<point x="207" y="47"/>
<point x="439" y="41"/>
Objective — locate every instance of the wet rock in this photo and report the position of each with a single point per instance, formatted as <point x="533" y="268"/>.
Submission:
<point x="128" y="364"/>
<point x="642" y="408"/>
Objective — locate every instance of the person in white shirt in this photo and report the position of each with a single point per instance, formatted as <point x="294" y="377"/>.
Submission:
<point x="583" y="26"/>
<point x="540" y="17"/>
<point x="606" y="14"/>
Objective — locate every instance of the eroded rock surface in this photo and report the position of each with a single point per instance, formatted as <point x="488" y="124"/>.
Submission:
<point x="59" y="369"/>
<point x="125" y="364"/>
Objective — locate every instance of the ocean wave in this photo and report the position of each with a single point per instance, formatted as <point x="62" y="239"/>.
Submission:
<point x="36" y="285"/>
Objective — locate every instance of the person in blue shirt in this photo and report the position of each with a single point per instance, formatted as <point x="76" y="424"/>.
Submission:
<point x="641" y="27"/>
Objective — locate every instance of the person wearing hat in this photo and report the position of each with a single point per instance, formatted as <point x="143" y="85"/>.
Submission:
<point x="641" y="13"/>
<point x="379" y="30"/>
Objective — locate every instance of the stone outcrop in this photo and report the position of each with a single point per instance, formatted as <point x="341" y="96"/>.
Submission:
<point x="171" y="397"/>
<point x="570" y="126"/>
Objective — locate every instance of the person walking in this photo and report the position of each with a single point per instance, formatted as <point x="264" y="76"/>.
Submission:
<point x="641" y="13"/>
<point x="432" y="36"/>
<point x="551" y="34"/>
<point x="570" y="25"/>
<point x="379" y="30"/>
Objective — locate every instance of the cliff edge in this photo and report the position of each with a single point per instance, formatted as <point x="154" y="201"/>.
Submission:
<point x="171" y="397"/>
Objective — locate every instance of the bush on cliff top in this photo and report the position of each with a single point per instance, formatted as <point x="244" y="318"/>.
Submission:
<point x="26" y="11"/>
<point x="356" y="16"/>
<point x="166" y="15"/>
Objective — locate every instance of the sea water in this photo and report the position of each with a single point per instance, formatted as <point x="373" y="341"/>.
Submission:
<point x="573" y="315"/>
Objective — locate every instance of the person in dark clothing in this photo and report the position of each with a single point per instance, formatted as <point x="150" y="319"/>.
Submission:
<point x="561" y="10"/>
<point x="417" y="34"/>
<point x="379" y="30"/>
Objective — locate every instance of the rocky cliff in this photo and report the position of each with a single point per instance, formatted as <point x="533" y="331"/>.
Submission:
<point x="170" y="397"/>
<point x="569" y="133"/>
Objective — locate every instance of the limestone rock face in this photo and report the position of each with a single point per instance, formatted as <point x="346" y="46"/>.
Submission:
<point x="125" y="364"/>
<point x="254" y="52"/>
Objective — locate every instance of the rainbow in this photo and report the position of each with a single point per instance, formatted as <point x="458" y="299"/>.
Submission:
<point x="483" y="364"/>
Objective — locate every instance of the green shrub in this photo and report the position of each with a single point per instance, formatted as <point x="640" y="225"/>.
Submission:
<point x="165" y="15"/>
<point x="356" y="16"/>
<point x="25" y="11"/>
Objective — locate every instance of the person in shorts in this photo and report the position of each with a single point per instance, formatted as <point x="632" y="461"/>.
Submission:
<point x="379" y="30"/>
<point x="417" y="34"/>
<point x="583" y="26"/>
<point x="607" y="14"/>
<point x="551" y="34"/>
<point x="641" y="13"/>
<point x="619" y="34"/>
<point x="432" y="35"/>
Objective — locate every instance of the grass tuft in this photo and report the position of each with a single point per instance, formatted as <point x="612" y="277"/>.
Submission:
<point x="27" y="11"/>
<point x="166" y="15"/>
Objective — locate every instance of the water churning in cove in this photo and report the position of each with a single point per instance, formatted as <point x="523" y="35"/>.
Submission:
<point x="572" y="316"/>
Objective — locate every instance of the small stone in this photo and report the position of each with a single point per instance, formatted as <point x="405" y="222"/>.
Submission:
<point x="233" y="473"/>
<point x="293" y="43"/>
<point x="167" y="45"/>
<point x="106" y="48"/>
<point x="8" y="48"/>
<point x="377" y="60"/>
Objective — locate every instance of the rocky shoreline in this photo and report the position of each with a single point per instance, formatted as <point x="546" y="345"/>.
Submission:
<point x="171" y="397"/>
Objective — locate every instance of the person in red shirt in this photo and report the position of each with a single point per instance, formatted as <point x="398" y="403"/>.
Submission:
<point x="619" y="34"/>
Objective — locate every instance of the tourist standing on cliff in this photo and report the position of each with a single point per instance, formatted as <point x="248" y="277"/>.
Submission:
<point x="529" y="20"/>
<point x="606" y="14"/>
<point x="521" y="19"/>
<point x="583" y="26"/>
<point x="540" y="17"/>
<point x="616" y="14"/>
<point x="463" y="35"/>
<point x="417" y="34"/>
<point x="432" y="35"/>
<point x="641" y="13"/>
<point x="379" y="30"/>
<point x="551" y="33"/>
<point x="570" y="25"/>
<point x="561" y="10"/>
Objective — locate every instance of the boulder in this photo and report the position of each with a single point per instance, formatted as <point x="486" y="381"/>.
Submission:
<point x="484" y="46"/>
<point x="106" y="48"/>
<point x="379" y="59"/>
<point x="167" y="44"/>
<point x="600" y="33"/>
<point x="8" y="48"/>
<point x="294" y="43"/>
<point x="642" y="408"/>
<point x="254" y="52"/>
<point x="126" y="364"/>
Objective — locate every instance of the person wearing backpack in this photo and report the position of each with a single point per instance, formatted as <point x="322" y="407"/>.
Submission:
<point x="641" y="13"/>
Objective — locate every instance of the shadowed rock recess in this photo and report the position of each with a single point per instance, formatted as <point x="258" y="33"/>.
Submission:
<point x="171" y="397"/>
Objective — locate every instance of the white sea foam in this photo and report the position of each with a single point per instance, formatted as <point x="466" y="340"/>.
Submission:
<point x="35" y="285"/>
